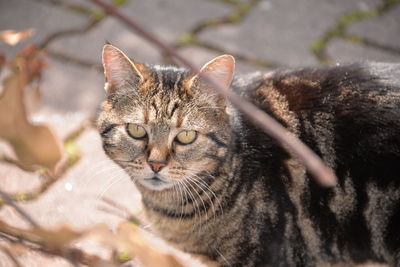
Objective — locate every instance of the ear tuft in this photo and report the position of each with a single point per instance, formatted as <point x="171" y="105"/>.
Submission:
<point x="119" y="70"/>
<point x="220" y="70"/>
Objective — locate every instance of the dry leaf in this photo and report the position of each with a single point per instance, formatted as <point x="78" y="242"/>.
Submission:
<point x="33" y="99"/>
<point x="35" y="61"/>
<point x="56" y="239"/>
<point x="60" y="242"/>
<point x="12" y="37"/>
<point x="34" y="145"/>
<point x="135" y="244"/>
<point x="2" y="60"/>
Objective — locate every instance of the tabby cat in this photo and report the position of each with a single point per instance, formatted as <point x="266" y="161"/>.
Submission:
<point x="216" y="186"/>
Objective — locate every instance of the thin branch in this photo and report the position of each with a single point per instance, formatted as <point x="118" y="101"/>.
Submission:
<point x="32" y="241"/>
<point x="72" y="157"/>
<point x="238" y="14"/>
<point x="12" y="161"/>
<point x="7" y="199"/>
<point x="250" y="59"/>
<point x="79" y="9"/>
<point x="95" y="18"/>
<point x="314" y="164"/>
<point x="81" y="30"/>
<point x="120" y="211"/>
<point x="74" y="60"/>
<point x="11" y="256"/>
<point x="238" y="56"/>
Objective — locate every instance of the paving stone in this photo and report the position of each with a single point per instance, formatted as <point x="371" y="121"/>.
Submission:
<point x="45" y="19"/>
<point x="282" y="30"/>
<point x="168" y="20"/>
<point x="384" y="29"/>
<point x="69" y="88"/>
<point x="345" y="51"/>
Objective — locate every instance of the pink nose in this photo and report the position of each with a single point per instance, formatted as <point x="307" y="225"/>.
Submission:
<point x="156" y="166"/>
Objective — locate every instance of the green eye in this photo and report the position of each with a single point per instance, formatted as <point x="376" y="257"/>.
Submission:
<point x="186" y="137"/>
<point x="136" y="131"/>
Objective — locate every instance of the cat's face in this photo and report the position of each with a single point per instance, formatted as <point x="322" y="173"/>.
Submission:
<point x="164" y="125"/>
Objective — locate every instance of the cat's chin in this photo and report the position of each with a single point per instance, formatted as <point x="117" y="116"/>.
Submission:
<point x="155" y="183"/>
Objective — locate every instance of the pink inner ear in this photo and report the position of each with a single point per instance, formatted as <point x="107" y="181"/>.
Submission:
<point x="118" y="69"/>
<point x="220" y="69"/>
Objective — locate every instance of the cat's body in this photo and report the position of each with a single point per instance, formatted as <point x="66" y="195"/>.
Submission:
<point x="253" y="203"/>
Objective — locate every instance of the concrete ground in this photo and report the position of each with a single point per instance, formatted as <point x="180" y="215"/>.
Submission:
<point x="262" y="34"/>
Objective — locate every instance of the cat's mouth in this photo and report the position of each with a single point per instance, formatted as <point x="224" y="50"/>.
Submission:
<point x="156" y="183"/>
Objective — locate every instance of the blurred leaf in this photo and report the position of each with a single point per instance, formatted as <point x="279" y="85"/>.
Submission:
<point x="34" y="145"/>
<point x="12" y="37"/>
<point x="10" y="255"/>
<point x="134" y="244"/>
<point x="124" y="256"/>
<point x="33" y="99"/>
<point x="51" y="238"/>
<point x="2" y="60"/>
<point x="60" y="242"/>
<point x="186" y="39"/>
<point x="35" y="62"/>
<point x="56" y="239"/>
<point x="119" y="2"/>
<point x="73" y="152"/>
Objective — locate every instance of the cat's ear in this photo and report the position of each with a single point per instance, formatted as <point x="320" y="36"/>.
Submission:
<point x="220" y="70"/>
<point x="119" y="70"/>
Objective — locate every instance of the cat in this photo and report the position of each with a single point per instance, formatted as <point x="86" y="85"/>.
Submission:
<point x="216" y="186"/>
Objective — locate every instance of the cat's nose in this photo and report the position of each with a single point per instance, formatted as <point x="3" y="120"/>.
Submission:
<point x="156" y="166"/>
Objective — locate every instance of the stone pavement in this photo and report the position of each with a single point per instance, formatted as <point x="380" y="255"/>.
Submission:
<point x="261" y="34"/>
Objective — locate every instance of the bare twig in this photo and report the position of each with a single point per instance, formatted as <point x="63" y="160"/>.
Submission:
<point x="40" y="240"/>
<point x="90" y="25"/>
<point x="120" y="211"/>
<point x="249" y="59"/>
<point x="12" y="161"/>
<point x="321" y="172"/>
<point x="74" y="60"/>
<point x="11" y="256"/>
<point x="238" y="14"/>
<point x="72" y="157"/>
<point x="7" y="199"/>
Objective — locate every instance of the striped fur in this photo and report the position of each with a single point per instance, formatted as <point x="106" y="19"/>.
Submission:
<point x="238" y="198"/>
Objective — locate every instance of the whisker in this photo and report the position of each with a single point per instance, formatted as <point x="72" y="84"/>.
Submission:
<point x="183" y="202"/>
<point x="201" y="186"/>
<point x="210" y="108"/>
<point x="195" y="205"/>
<point x="207" y="186"/>
<point x="94" y="175"/>
<point x="115" y="179"/>
<point x="223" y="257"/>
<point x="202" y="201"/>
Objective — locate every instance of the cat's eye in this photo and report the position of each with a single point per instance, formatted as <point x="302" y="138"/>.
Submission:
<point x="136" y="131"/>
<point x="186" y="137"/>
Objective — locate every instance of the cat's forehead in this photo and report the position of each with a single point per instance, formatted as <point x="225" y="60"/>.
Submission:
<point x="167" y="79"/>
<point x="163" y="97"/>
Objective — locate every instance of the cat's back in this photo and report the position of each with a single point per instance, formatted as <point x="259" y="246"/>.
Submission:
<point x="335" y="85"/>
<point x="349" y="114"/>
